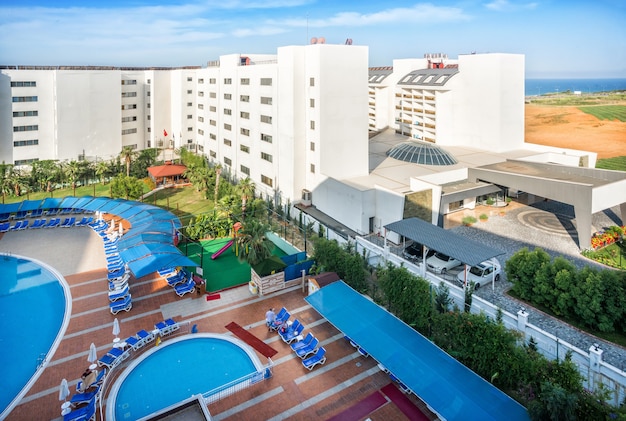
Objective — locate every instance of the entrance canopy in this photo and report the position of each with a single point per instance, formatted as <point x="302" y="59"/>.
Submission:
<point x="436" y="238"/>
<point x="452" y="390"/>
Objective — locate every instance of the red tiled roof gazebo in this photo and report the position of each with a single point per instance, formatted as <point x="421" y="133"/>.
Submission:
<point x="168" y="173"/>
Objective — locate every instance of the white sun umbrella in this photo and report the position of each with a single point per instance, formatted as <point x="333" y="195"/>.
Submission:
<point x="116" y="328"/>
<point x="64" y="390"/>
<point x="121" y="229"/>
<point x="93" y="355"/>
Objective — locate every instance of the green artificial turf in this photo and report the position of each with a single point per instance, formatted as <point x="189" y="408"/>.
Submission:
<point x="226" y="271"/>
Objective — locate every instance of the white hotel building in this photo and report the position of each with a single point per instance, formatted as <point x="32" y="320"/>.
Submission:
<point x="298" y="123"/>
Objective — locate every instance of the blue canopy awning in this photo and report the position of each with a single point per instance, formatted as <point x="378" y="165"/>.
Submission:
<point x="10" y="207"/>
<point x="157" y="261"/>
<point x="30" y="205"/>
<point x="51" y="203"/>
<point x="447" y="386"/>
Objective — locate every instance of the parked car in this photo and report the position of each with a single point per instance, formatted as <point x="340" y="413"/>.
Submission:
<point x="481" y="274"/>
<point x="441" y="263"/>
<point x="414" y="252"/>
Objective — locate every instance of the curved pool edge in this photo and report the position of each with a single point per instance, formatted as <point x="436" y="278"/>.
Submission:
<point x="59" y="337"/>
<point x="111" y="398"/>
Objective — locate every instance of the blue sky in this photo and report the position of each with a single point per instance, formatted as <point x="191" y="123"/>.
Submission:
<point x="560" y="38"/>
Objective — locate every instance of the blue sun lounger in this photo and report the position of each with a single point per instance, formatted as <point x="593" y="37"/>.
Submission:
<point x="282" y="317"/>
<point x="119" y="294"/>
<point x="308" y="350"/>
<point x="318" y="358"/>
<point x="303" y="343"/>
<point x="53" y="223"/>
<point x="85" y="397"/>
<point x="97" y="382"/>
<point x="5" y="226"/>
<point x="166" y="327"/>
<point x="182" y="289"/>
<point x="140" y="339"/>
<point x="292" y="332"/>
<point x="38" y="223"/>
<point x="176" y="279"/>
<point x="113" y="358"/>
<point x="68" y="222"/>
<point x="86" y="413"/>
<point x="125" y="304"/>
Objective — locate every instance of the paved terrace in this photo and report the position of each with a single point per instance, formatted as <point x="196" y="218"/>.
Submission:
<point x="344" y="383"/>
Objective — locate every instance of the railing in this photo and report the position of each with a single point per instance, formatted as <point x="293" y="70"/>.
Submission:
<point x="238" y="385"/>
<point x="595" y="372"/>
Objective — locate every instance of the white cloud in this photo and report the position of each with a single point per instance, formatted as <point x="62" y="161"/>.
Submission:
<point x="507" y="6"/>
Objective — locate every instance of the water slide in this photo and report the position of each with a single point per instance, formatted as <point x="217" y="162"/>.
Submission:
<point x="222" y="250"/>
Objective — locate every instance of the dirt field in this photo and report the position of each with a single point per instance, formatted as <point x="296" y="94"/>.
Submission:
<point x="568" y="127"/>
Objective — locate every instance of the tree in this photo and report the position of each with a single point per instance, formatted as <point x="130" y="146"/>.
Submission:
<point x="126" y="187"/>
<point x="218" y="174"/>
<point x="127" y="154"/>
<point x="144" y="160"/>
<point x="72" y="172"/>
<point x="254" y="246"/>
<point x="44" y="173"/>
<point x="102" y="170"/>
<point x="246" y="186"/>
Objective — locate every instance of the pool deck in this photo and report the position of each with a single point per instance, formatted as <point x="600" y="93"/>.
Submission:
<point x="342" y="388"/>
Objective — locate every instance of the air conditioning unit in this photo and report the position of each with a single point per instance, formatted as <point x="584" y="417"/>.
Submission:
<point x="307" y="197"/>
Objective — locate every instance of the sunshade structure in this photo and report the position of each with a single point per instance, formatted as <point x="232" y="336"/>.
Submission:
<point x="149" y="244"/>
<point x="452" y="390"/>
<point x="436" y="238"/>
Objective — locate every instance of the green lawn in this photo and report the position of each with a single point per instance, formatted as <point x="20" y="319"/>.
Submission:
<point x="606" y="112"/>
<point x="617" y="163"/>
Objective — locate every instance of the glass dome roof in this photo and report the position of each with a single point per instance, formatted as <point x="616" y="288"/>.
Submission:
<point x="421" y="153"/>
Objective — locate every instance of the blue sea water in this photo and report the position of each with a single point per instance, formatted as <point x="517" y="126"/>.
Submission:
<point x="554" y="86"/>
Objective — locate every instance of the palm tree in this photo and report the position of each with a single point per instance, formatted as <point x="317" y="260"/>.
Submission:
<point x="218" y="173"/>
<point x="254" y="246"/>
<point x="102" y="169"/>
<point x="72" y="171"/>
<point x="127" y="154"/>
<point x="246" y="186"/>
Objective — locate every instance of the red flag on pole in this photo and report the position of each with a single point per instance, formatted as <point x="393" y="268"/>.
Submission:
<point x="164" y="133"/>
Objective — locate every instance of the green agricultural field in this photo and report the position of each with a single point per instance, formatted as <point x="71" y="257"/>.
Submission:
<point x="606" y="112"/>
<point x="617" y="164"/>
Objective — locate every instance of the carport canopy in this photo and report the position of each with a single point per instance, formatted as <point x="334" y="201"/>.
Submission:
<point x="436" y="238"/>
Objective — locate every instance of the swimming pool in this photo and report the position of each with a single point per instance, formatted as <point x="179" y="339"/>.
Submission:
<point x="176" y="370"/>
<point x="34" y="313"/>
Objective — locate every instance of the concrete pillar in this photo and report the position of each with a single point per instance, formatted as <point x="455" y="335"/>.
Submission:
<point x="595" y="357"/>
<point x="522" y="320"/>
<point x="622" y="210"/>
<point x="583" y="225"/>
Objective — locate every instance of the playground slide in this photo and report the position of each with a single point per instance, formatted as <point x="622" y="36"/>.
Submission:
<point x="222" y="250"/>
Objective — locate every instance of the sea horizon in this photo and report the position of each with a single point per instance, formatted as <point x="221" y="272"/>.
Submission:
<point x="542" y="86"/>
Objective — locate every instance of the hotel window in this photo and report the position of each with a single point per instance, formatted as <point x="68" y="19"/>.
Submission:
<point x="228" y="161"/>
<point x="200" y="93"/>
<point x="312" y="125"/>
<point x="244" y="114"/>
<point x="266" y="100"/>
<point x="25" y="113"/>
<point x="266" y="119"/>
<point x="149" y="117"/>
<point x="129" y="94"/>
<point x="189" y="91"/>
<point x="30" y="142"/>
<point x="200" y="132"/>
<point x="201" y="119"/>
<point x="244" y="98"/>
<point x="266" y="138"/>
<point x="245" y="132"/>
<point x="149" y="129"/>
<point x="212" y="136"/>
<point x="147" y="106"/>
<point x="20" y="84"/>
<point x="228" y="96"/>
<point x="266" y="180"/>
<point x="245" y="81"/>
<point x="212" y="81"/>
<point x="245" y="170"/>
<point x="267" y="157"/>
<point x="212" y="95"/>
<point x="189" y="116"/>
<point x="149" y="81"/>
<point x="213" y="108"/>
<point x="148" y="93"/>
<point x="190" y="104"/>
<point x="312" y="102"/>
<point x="190" y="129"/>
<point x="266" y="81"/>
<point x="212" y="122"/>
<point x="227" y="126"/>
<point x="228" y="111"/>
<point x="313" y="168"/>
<point x="129" y="131"/>
<point x="200" y="81"/>
<point x="201" y="106"/>
<point x="19" y="162"/>
<point x="312" y="146"/>
<point x="24" y="99"/>
<point x="29" y="128"/>
<point x="244" y="148"/>
<point x="212" y="154"/>
<point x="312" y="81"/>
<point x="189" y="79"/>
<point x="228" y="142"/>
<point x="129" y="82"/>
<point x="127" y="119"/>
<point x="228" y="81"/>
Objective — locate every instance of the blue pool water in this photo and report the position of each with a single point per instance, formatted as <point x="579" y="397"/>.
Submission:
<point x="32" y="308"/>
<point x="173" y="372"/>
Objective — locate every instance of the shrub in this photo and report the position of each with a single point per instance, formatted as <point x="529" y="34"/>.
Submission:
<point x="468" y="220"/>
<point x="483" y="217"/>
